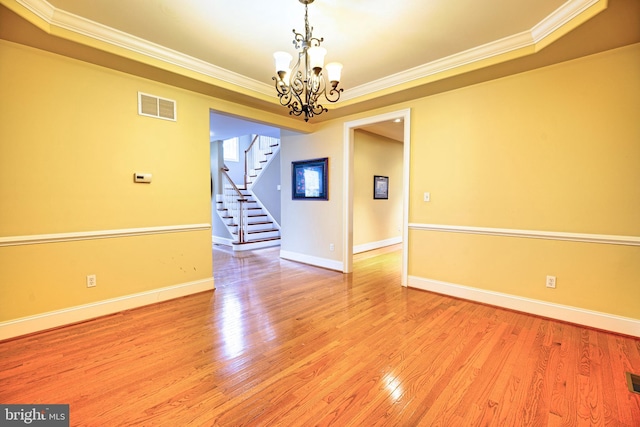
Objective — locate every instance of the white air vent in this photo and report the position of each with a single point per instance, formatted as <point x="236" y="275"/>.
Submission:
<point x="154" y="106"/>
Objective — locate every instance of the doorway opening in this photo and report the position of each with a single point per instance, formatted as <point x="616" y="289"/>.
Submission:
<point x="349" y="137"/>
<point x="245" y="182"/>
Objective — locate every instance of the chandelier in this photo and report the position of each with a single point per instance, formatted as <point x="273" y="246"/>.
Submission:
<point x="301" y="87"/>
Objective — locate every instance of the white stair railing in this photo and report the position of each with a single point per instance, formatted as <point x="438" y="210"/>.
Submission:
<point x="233" y="202"/>
<point x="256" y="156"/>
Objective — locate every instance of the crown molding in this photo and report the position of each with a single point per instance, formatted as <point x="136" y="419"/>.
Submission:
<point x="541" y="31"/>
<point x="561" y="17"/>
<point x="94" y="30"/>
<point x="526" y="39"/>
<point x="476" y="54"/>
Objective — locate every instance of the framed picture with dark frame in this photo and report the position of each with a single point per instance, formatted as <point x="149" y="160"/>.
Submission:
<point x="309" y="179"/>
<point x="380" y="187"/>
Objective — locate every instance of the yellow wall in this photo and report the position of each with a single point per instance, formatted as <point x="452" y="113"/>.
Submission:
<point x="70" y="141"/>
<point x="376" y="220"/>
<point x="555" y="149"/>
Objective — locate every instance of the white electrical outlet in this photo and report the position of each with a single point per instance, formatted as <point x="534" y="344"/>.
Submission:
<point x="427" y="197"/>
<point x="332" y="247"/>
<point x="91" y="281"/>
<point x="551" y="282"/>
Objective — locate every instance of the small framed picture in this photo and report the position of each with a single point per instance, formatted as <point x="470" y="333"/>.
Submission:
<point x="309" y="179"/>
<point x="380" y="187"/>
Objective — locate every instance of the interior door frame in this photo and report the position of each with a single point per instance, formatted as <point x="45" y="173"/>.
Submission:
<point x="348" y="140"/>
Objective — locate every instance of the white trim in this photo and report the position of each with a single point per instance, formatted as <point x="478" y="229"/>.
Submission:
<point x="347" y="219"/>
<point x="376" y="245"/>
<point x="532" y="234"/>
<point x="99" y="234"/>
<point x="221" y="241"/>
<point x="405" y="202"/>
<point x="312" y="260"/>
<point x="57" y="318"/>
<point x="558" y="18"/>
<point x="245" y="246"/>
<point x="79" y="25"/>
<point x="593" y="319"/>
<point x="249" y="246"/>
<point x="41" y="8"/>
<point x="347" y="195"/>
<point x="476" y="54"/>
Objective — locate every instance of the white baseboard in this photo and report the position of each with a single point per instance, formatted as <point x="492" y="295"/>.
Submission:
<point x="54" y="319"/>
<point x="245" y="246"/>
<point x="221" y="241"/>
<point x="249" y="246"/>
<point x="311" y="260"/>
<point x="376" y="245"/>
<point x="594" y="319"/>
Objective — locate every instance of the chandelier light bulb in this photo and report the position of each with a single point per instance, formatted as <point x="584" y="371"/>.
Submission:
<point x="334" y="69"/>
<point x="316" y="58"/>
<point x="283" y="61"/>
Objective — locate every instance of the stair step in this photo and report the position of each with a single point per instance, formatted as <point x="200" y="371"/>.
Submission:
<point x="269" y="230"/>
<point x="268" y="239"/>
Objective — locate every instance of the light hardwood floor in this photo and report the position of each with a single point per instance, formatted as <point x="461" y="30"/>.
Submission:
<point x="285" y="344"/>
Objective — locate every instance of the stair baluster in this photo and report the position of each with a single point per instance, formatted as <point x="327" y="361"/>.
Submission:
<point x="233" y="201"/>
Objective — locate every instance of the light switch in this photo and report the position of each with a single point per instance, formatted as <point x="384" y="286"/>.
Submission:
<point x="427" y="197"/>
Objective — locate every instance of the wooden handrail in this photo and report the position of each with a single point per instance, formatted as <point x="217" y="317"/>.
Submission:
<point x="224" y="170"/>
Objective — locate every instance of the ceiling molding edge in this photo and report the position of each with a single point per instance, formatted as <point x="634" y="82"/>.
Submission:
<point x="561" y="17"/>
<point x="102" y="33"/>
<point x="438" y="66"/>
<point x="541" y="31"/>
<point x="41" y="8"/>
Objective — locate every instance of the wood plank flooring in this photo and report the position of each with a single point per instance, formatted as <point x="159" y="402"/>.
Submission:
<point x="285" y="344"/>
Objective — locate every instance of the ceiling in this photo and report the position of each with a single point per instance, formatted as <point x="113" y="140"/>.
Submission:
<point x="392" y="51"/>
<point x="373" y="38"/>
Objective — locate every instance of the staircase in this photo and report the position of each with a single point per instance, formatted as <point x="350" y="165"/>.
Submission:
<point x="248" y="221"/>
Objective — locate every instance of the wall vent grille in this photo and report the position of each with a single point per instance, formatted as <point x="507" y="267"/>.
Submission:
<point x="154" y="106"/>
